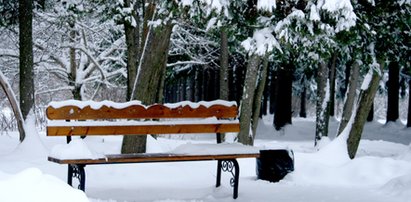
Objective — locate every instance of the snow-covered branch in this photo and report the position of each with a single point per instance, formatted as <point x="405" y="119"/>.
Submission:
<point x="9" y="53"/>
<point x="54" y="90"/>
<point x="186" y="63"/>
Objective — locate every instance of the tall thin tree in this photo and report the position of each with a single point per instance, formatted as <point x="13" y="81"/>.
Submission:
<point x="393" y="91"/>
<point x="26" y="56"/>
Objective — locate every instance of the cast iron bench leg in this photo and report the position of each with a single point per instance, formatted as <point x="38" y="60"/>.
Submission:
<point x="77" y="171"/>
<point x="232" y="167"/>
<point x="218" y="183"/>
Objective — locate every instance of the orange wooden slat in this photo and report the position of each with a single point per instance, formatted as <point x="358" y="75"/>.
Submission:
<point x="140" y="112"/>
<point x="141" y="129"/>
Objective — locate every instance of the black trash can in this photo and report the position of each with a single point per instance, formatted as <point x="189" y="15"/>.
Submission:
<point x="274" y="165"/>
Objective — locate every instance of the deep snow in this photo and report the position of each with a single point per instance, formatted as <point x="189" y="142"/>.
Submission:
<point x="380" y="172"/>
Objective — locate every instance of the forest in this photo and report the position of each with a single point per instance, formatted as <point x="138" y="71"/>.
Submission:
<point x="290" y="58"/>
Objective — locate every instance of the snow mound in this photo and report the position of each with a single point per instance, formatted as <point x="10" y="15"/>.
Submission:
<point x="406" y="156"/>
<point x="76" y="149"/>
<point x="400" y="186"/>
<point x="34" y="186"/>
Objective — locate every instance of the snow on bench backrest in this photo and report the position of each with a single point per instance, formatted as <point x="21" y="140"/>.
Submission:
<point x="83" y="110"/>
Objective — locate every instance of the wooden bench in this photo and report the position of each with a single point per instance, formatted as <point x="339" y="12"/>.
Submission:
<point x="75" y="118"/>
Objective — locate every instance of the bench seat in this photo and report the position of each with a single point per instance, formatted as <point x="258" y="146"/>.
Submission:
<point x="152" y="158"/>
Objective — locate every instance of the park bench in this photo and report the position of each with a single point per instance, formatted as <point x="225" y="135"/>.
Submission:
<point x="75" y="118"/>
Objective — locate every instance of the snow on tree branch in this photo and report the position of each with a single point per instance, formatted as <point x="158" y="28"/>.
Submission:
<point x="342" y="12"/>
<point x="261" y="43"/>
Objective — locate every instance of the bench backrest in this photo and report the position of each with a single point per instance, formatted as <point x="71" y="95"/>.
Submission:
<point x="75" y="118"/>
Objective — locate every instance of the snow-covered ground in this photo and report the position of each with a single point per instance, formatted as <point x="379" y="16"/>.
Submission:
<point x="381" y="171"/>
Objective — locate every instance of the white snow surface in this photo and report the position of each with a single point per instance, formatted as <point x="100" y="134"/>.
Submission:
<point x="117" y="105"/>
<point x="212" y="149"/>
<point x="76" y="149"/>
<point x="380" y="172"/>
<point x="37" y="187"/>
<point x="211" y="120"/>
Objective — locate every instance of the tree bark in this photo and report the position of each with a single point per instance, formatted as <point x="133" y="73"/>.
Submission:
<point x="322" y="103"/>
<point x="73" y="65"/>
<point x="266" y="94"/>
<point x="133" y="46"/>
<point x="283" y="111"/>
<point x="26" y="56"/>
<point x="303" y="109"/>
<point x="370" y="116"/>
<point x="273" y="91"/>
<point x="150" y="72"/>
<point x="246" y="108"/>
<point x="332" y="84"/>
<point x="224" y="91"/>
<point x="198" y="84"/>
<point x="366" y="98"/>
<point x="350" y="96"/>
<point x="409" y="104"/>
<point x="14" y="105"/>
<point x="393" y="91"/>
<point x="258" y="97"/>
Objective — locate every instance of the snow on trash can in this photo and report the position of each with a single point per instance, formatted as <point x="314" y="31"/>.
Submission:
<point x="274" y="165"/>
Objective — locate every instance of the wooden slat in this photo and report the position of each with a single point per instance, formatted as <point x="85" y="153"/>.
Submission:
<point x="140" y="112"/>
<point x="141" y="129"/>
<point x="147" y="158"/>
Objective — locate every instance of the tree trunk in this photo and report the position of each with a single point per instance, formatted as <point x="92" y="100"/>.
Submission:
<point x="393" y="91"/>
<point x="258" y="97"/>
<point x="150" y="73"/>
<point x="273" y="91"/>
<point x="73" y="65"/>
<point x="238" y="78"/>
<point x="246" y="108"/>
<point x="132" y="144"/>
<point x="14" y="105"/>
<point x="133" y="47"/>
<point x="207" y="79"/>
<point x="322" y="103"/>
<point x="197" y="85"/>
<point x="370" y="116"/>
<point x="224" y="65"/>
<point x="347" y="73"/>
<point x="26" y="56"/>
<point x="303" y="109"/>
<point x="332" y="85"/>
<point x="224" y="91"/>
<point x="350" y="96"/>
<point x="409" y="104"/>
<point x="283" y="111"/>
<point x="366" y="98"/>
<point x="266" y="94"/>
